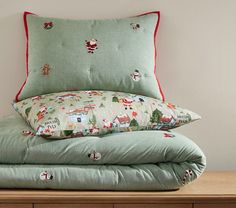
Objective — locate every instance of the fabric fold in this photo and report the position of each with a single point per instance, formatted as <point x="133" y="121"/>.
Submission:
<point x="141" y="160"/>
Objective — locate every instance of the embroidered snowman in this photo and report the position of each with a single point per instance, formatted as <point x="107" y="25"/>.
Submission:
<point x="95" y="156"/>
<point x="45" y="176"/>
<point x="135" y="26"/>
<point x="136" y="76"/>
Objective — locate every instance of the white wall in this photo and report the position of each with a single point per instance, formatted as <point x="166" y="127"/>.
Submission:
<point x="196" y="59"/>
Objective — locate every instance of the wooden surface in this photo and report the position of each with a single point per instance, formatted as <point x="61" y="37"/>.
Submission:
<point x="113" y="206"/>
<point x="211" y="187"/>
<point x="215" y="205"/>
<point x="73" y="206"/>
<point x="153" y="206"/>
<point x="16" y="206"/>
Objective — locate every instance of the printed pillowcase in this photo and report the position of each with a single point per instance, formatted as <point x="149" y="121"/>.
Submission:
<point x="83" y="113"/>
<point x="116" y="54"/>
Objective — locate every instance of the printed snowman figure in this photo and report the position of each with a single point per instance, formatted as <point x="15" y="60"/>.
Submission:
<point x="27" y="133"/>
<point x="95" y="156"/>
<point x="188" y="174"/>
<point x="136" y="76"/>
<point x="127" y="103"/>
<point x="91" y="45"/>
<point x="45" y="176"/>
<point x="135" y="26"/>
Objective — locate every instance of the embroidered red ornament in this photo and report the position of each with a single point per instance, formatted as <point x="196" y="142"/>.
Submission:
<point x="48" y="25"/>
<point x="167" y="135"/>
<point x="134" y="114"/>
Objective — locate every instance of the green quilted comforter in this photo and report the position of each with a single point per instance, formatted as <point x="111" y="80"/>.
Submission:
<point x="141" y="160"/>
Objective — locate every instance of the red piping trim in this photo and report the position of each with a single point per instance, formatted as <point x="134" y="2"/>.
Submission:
<point x="155" y="51"/>
<point x="27" y="53"/>
<point x="155" y="48"/>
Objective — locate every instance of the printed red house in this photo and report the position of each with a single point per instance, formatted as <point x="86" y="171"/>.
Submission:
<point x="67" y="96"/>
<point x="122" y="120"/>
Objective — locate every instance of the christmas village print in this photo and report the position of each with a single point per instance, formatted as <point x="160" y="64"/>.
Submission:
<point x="83" y="113"/>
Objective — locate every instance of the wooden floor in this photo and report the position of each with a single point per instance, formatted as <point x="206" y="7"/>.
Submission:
<point x="211" y="188"/>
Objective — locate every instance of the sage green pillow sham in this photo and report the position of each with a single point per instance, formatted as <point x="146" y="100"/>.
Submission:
<point x="115" y="54"/>
<point x="82" y="113"/>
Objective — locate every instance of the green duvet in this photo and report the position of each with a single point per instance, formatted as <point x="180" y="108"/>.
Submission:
<point x="141" y="160"/>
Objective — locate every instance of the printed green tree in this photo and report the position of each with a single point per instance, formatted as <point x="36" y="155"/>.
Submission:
<point x="134" y="124"/>
<point x="187" y="118"/>
<point x="68" y="132"/>
<point x="93" y="121"/>
<point x="101" y="105"/>
<point x="115" y="99"/>
<point x="156" y="115"/>
<point x="27" y="111"/>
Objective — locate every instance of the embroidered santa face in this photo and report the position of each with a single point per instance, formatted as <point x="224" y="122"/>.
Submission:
<point x="45" y="176"/>
<point x="136" y="76"/>
<point x="91" y="45"/>
<point x="95" y="156"/>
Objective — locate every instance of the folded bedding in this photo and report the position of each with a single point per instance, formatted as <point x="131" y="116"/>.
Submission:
<point x="138" y="160"/>
<point x="75" y="130"/>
